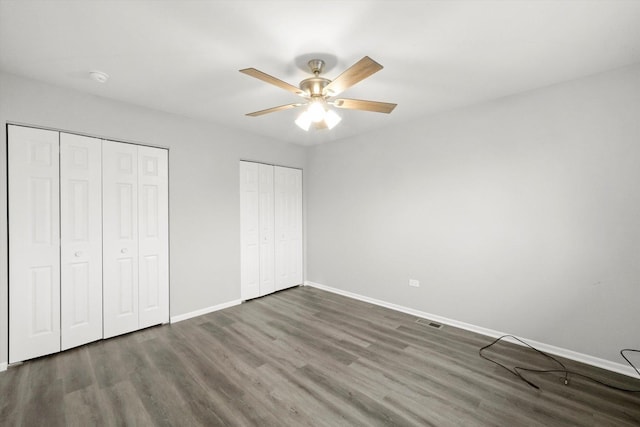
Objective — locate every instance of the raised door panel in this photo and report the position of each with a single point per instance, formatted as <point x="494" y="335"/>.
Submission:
<point x="81" y="239"/>
<point x="266" y="232"/>
<point x="34" y="239"/>
<point x="288" y="227"/>
<point x="153" y="236"/>
<point x="249" y="230"/>
<point x="120" y="237"/>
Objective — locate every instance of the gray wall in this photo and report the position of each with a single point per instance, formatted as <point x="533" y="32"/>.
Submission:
<point x="204" y="182"/>
<point x="520" y="215"/>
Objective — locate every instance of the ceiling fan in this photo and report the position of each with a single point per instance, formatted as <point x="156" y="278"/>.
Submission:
<point x="319" y="93"/>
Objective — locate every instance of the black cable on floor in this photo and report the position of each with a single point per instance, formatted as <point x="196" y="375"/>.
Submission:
<point x="518" y="369"/>
<point x="629" y="361"/>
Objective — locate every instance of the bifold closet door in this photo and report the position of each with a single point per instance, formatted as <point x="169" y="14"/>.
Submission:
<point x="34" y="243"/>
<point x="120" y="237"/>
<point x="256" y="230"/>
<point x="288" y="227"/>
<point x="88" y="240"/>
<point x="153" y="236"/>
<point x="81" y="240"/>
<point x="270" y="228"/>
<point x="135" y="237"/>
<point x="249" y="231"/>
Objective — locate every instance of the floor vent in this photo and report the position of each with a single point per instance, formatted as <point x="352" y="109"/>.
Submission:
<point x="430" y="323"/>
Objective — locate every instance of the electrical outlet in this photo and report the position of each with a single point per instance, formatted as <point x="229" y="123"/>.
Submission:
<point x="414" y="283"/>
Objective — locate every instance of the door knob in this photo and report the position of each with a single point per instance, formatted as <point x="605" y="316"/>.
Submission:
<point x="78" y="254"/>
<point x="123" y="251"/>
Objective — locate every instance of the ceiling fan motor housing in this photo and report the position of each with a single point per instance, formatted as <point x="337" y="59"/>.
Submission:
<point x="314" y="86"/>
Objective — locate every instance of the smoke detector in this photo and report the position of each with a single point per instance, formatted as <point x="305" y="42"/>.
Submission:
<point x="99" y="76"/>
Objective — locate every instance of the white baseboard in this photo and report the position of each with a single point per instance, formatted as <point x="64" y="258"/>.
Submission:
<point x="202" y="311"/>
<point x="3" y="366"/>
<point x="558" y="351"/>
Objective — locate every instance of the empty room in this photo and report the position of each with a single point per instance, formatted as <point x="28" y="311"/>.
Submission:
<point x="320" y="213"/>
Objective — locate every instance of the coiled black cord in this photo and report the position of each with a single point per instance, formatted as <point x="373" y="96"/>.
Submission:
<point x="517" y="370"/>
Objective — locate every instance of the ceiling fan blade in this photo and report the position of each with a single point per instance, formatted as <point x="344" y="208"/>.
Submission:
<point x="273" y="80"/>
<point x="359" y="104"/>
<point x="352" y="75"/>
<point x="273" y="110"/>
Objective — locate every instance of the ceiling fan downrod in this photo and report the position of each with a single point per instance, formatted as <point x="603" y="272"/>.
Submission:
<point x="316" y="66"/>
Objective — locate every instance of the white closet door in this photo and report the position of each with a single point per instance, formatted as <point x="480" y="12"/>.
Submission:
<point x="153" y="236"/>
<point x="81" y="239"/>
<point x="120" y="237"/>
<point x="249" y="230"/>
<point x="288" y="227"/>
<point x="34" y="243"/>
<point x="266" y="223"/>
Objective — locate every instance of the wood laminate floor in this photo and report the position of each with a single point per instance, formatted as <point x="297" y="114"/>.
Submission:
<point x="303" y="357"/>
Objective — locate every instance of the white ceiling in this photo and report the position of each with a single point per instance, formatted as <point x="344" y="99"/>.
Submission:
<point x="183" y="56"/>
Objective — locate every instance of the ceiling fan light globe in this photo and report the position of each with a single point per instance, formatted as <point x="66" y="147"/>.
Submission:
<point x="331" y="118"/>
<point x="316" y="112"/>
<point x="304" y="121"/>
